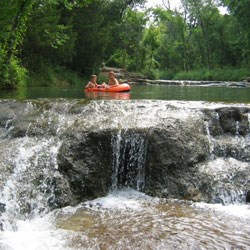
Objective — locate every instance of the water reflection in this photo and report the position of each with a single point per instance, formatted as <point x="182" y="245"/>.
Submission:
<point x="108" y="95"/>
<point x="185" y="93"/>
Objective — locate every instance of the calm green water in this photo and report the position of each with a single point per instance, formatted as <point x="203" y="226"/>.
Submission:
<point x="187" y="93"/>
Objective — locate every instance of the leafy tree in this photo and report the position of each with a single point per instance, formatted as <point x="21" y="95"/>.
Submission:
<point x="13" y="18"/>
<point x="128" y="52"/>
<point x="102" y="34"/>
<point x="201" y="16"/>
<point x="240" y="10"/>
<point x="174" y="49"/>
<point x="197" y="37"/>
<point x="151" y="42"/>
<point x="49" y="37"/>
<point x="37" y="36"/>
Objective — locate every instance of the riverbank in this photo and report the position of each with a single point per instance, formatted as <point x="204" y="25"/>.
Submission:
<point x="56" y="76"/>
<point x="217" y="74"/>
<point x="241" y="84"/>
<point x="222" y="77"/>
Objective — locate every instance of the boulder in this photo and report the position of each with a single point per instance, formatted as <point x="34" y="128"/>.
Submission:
<point x="2" y="207"/>
<point x="72" y="151"/>
<point x="172" y="155"/>
<point x="234" y="121"/>
<point x="85" y="161"/>
<point x="248" y="196"/>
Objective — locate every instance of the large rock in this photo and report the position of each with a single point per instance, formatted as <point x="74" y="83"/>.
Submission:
<point x="248" y="196"/>
<point x="234" y="120"/>
<point x="85" y="161"/>
<point x="191" y="150"/>
<point x="172" y="154"/>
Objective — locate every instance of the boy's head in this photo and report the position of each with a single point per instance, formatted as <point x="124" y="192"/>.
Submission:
<point x="111" y="74"/>
<point x="93" y="77"/>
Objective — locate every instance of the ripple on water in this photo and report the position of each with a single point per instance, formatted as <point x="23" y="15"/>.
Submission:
<point x="149" y="223"/>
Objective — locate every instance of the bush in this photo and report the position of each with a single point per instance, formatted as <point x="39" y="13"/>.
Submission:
<point x="153" y="74"/>
<point x="225" y="74"/>
<point x="50" y="75"/>
<point x="12" y="74"/>
<point x="166" y="74"/>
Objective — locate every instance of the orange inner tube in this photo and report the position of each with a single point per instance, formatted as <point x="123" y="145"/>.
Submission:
<point x="124" y="87"/>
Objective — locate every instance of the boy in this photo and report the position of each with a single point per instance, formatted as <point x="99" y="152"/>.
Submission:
<point x="92" y="83"/>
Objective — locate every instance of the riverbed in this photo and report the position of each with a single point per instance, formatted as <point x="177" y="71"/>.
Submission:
<point x="128" y="219"/>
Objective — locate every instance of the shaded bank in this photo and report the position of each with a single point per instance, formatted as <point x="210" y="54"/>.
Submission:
<point x="242" y="84"/>
<point x="230" y="77"/>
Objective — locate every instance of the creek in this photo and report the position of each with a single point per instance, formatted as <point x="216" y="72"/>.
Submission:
<point x="124" y="174"/>
<point x="160" y="92"/>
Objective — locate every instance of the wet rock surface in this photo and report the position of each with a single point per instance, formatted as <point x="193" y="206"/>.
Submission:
<point x="248" y="196"/>
<point x="195" y="151"/>
<point x="171" y="158"/>
<point x="84" y="159"/>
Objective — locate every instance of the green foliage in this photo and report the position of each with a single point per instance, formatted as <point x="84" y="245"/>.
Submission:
<point x="102" y="78"/>
<point x="198" y="38"/>
<point x="48" y="38"/>
<point x="151" y="42"/>
<point x="240" y="10"/>
<point x="226" y="74"/>
<point x="13" y="74"/>
<point x="48" y="41"/>
<point x="166" y="74"/>
<point x="51" y="75"/>
<point x="56" y="38"/>
<point x="128" y="52"/>
<point x="14" y="16"/>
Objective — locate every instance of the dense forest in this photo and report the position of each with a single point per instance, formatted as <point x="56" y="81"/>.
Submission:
<point x="45" y="41"/>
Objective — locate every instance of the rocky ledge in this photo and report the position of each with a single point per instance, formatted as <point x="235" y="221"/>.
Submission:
<point x="186" y="150"/>
<point x="134" y="78"/>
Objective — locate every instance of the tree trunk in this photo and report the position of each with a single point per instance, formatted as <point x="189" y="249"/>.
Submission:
<point x="151" y="60"/>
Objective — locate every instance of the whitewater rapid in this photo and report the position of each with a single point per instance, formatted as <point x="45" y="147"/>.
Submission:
<point x="128" y="219"/>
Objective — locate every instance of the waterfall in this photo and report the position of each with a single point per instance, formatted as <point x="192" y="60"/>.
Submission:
<point x="224" y="162"/>
<point x="237" y="127"/>
<point x="129" y="157"/>
<point x="210" y="141"/>
<point x="29" y="190"/>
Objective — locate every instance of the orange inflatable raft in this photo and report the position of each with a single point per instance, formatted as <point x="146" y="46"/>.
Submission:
<point x="124" y="87"/>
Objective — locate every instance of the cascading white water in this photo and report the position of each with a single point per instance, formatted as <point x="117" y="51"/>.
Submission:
<point x="26" y="194"/>
<point x="221" y="167"/>
<point x="210" y="141"/>
<point x="237" y="127"/>
<point x="129" y="157"/>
